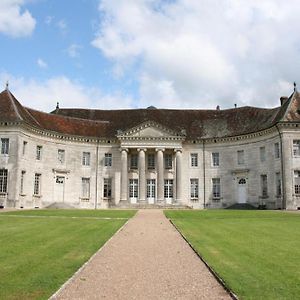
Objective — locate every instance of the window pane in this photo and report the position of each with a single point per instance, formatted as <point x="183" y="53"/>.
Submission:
<point x="4" y="146"/>
<point x="215" y="159"/>
<point x="3" y="181"/>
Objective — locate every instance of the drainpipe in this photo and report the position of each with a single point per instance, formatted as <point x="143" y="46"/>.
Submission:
<point x="96" y="177"/>
<point x="203" y="157"/>
<point x="282" y="168"/>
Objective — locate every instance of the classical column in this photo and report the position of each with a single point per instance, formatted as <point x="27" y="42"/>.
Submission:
<point x="142" y="175"/>
<point x="160" y="174"/>
<point x="178" y="158"/>
<point x="124" y="175"/>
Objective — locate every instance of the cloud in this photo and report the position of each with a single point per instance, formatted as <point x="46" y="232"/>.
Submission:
<point x="42" y="64"/>
<point x="43" y="95"/>
<point x="73" y="50"/>
<point x="62" y="25"/>
<point x="203" y="53"/>
<point x="49" y="19"/>
<point x="13" y="21"/>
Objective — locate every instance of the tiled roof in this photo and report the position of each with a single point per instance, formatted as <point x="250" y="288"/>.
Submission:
<point x="106" y="123"/>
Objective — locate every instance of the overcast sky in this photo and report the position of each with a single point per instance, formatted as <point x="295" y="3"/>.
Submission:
<point x="137" y="53"/>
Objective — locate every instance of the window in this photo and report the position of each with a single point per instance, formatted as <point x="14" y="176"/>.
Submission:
<point x="107" y="188"/>
<point x="297" y="182"/>
<point x="276" y="150"/>
<point x="37" y="184"/>
<point x="264" y="185"/>
<point x="39" y="152"/>
<point x="150" y="188"/>
<point x="4" y="146"/>
<point x="133" y="188"/>
<point x="85" y="188"/>
<point x="215" y="159"/>
<point x="86" y="157"/>
<point x="278" y="184"/>
<point x="241" y="157"/>
<point x="262" y="153"/>
<point x="22" y="182"/>
<point x="194" y="188"/>
<point x="61" y="156"/>
<point x="151" y="161"/>
<point x="108" y="160"/>
<point x="194" y="159"/>
<point x="168" y="161"/>
<point x="24" y="148"/>
<point x="296" y="147"/>
<point x="168" y="188"/>
<point x="3" y="181"/>
<point x="216" y="188"/>
<point x="133" y="161"/>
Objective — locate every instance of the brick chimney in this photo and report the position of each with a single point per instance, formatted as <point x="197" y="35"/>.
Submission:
<point x="283" y="100"/>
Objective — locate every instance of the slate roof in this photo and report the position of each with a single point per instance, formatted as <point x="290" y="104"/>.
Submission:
<point x="196" y="123"/>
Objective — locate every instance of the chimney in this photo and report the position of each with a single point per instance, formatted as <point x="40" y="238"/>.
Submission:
<point x="283" y="100"/>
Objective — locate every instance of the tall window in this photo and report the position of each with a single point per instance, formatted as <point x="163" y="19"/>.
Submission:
<point x="133" y="188"/>
<point x="39" y="152"/>
<point x="108" y="160"/>
<point x="262" y="153"/>
<point x="240" y="157"/>
<point x="264" y="185"/>
<point x="276" y="150"/>
<point x="22" y="182"/>
<point x="216" y="188"/>
<point x="150" y="188"/>
<point x="194" y="188"/>
<point x="85" y="188"/>
<point x="297" y="182"/>
<point x="4" y="146"/>
<point x="151" y="161"/>
<point x="215" y="159"/>
<point x="168" y="188"/>
<point x="24" y="148"/>
<point x="194" y="159"/>
<point x="86" y="158"/>
<point x="278" y="184"/>
<point x="296" y="147"/>
<point x="133" y="161"/>
<point x="37" y="184"/>
<point x="3" y="181"/>
<point x="168" y="161"/>
<point x="61" y="156"/>
<point x="107" y="188"/>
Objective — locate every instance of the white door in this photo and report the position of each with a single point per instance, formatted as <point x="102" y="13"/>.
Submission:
<point x="59" y="189"/>
<point x="151" y="190"/>
<point x="168" y="191"/>
<point x="133" y="190"/>
<point x="242" y="190"/>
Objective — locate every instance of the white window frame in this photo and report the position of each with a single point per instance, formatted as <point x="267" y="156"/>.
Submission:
<point x="4" y="145"/>
<point x="86" y="158"/>
<point x="168" y="189"/>
<point x="151" y="187"/>
<point x="85" y="187"/>
<point x="296" y="148"/>
<point x="297" y="182"/>
<point x="241" y="157"/>
<point x="276" y="150"/>
<point x="133" y="188"/>
<point x="194" y="160"/>
<point x="262" y="154"/>
<point x="61" y="155"/>
<point x="39" y="150"/>
<point x="215" y="156"/>
<point x="3" y="180"/>
<point x="37" y="184"/>
<point x="216" y="188"/>
<point x="107" y="188"/>
<point x="168" y="161"/>
<point x="194" y="188"/>
<point x="108" y="159"/>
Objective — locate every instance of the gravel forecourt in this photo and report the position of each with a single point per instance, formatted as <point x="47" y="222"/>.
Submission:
<point x="147" y="259"/>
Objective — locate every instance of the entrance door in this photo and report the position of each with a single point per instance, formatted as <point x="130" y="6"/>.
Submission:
<point x="151" y="190"/>
<point x="133" y="190"/>
<point x="59" y="189"/>
<point x="242" y="190"/>
<point x="168" y="191"/>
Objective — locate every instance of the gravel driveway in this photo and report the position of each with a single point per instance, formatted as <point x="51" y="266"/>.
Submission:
<point x="147" y="259"/>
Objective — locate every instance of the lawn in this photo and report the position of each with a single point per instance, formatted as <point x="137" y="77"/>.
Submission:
<point x="256" y="253"/>
<point x="38" y="254"/>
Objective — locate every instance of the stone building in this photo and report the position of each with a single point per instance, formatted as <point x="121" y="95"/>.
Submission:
<point x="199" y="158"/>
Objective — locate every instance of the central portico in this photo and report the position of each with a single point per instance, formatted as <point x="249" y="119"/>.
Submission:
<point x="151" y="164"/>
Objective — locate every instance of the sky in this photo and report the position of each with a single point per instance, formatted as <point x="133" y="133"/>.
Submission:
<point x="110" y="54"/>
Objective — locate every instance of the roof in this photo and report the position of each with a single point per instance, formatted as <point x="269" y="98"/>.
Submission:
<point x="197" y="124"/>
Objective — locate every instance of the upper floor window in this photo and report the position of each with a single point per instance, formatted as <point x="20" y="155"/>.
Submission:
<point x="37" y="184"/>
<point x="61" y="156"/>
<point x="107" y="188"/>
<point x="262" y="153"/>
<point x="133" y="161"/>
<point x="264" y="185"/>
<point x="24" y="148"/>
<point x="194" y="159"/>
<point x="296" y="147"/>
<point x="168" y="161"/>
<point x="215" y="159"/>
<point x="3" y="180"/>
<point x="216" y="188"/>
<point x="276" y="150"/>
<point x="297" y="182"/>
<point x="240" y="157"/>
<point x="4" y="146"/>
<point x="151" y="161"/>
<point x="85" y="188"/>
<point x="86" y="158"/>
<point x="39" y="152"/>
<point x="108" y="160"/>
<point x="194" y="188"/>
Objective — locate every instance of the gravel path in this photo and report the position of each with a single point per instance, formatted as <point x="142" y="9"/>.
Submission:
<point x="147" y="259"/>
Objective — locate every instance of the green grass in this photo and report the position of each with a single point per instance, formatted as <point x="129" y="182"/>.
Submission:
<point x="257" y="253"/>
<point x="39" y="254"/>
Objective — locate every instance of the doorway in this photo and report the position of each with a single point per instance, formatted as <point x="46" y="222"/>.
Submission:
<point x="59" y="189"/>
<point x="242" y="190"/>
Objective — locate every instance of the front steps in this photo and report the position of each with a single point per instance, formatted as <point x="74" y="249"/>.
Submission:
<point x="150" y="206"/>
<point x="242" y="206"/>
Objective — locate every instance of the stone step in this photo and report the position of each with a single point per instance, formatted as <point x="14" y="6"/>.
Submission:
<point x="241" y="206"/>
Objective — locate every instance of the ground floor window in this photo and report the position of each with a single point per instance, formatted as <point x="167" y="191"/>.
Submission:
<point x="297" y="182"/>
<point x="150" y="188"/>
<point x="194" y="188"/>
<point x="264" y="185"/>
<point x="107" y="188"/>
<point x="133" y="188"/>
<point x="22" y="182"/>
<point x="37" y="184"/>
<point x="216" y="188"/>
<point x="168" y="188"/>
<point x="3" y="181"/>
<point x="85" y="188"/>
<point x="278" y="184"/>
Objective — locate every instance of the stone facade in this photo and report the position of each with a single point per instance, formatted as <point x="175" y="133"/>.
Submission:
<point x="150" y="163"/>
